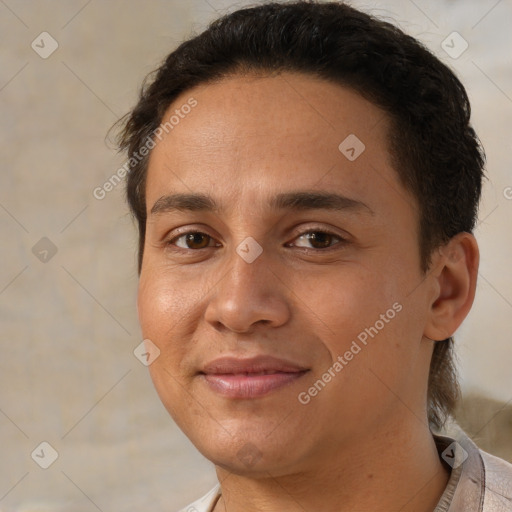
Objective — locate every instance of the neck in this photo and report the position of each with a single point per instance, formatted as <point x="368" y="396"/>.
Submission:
<point x="397" y="469"/>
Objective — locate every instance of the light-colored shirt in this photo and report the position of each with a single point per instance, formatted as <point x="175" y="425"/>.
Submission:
<point x="479" y="481"/>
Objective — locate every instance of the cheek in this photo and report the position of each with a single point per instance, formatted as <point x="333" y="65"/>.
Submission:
<point x="162" y="301"/>
<point x="366" y="320"/>
<point x="155" y="306"/>
<point x="164" y="316"/>
<point x="351" y="302"/>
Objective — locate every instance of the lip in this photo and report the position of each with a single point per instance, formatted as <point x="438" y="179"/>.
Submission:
<point x="250" y="377"/>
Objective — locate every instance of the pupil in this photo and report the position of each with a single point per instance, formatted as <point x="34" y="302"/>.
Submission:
<point x="195" y="238"/>
<point x="322" y="239"/>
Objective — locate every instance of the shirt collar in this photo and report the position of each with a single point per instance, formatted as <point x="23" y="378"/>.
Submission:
<point x="465" y="488"/>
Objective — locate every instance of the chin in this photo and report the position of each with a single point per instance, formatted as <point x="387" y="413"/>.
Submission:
<point x="247" y="453"/>
<point x="246" y="460"/>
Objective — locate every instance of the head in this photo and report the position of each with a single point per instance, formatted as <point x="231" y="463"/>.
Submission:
<point x="271" y="94"/>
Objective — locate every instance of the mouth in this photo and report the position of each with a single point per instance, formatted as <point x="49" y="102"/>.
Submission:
<point x="252" y="377"/>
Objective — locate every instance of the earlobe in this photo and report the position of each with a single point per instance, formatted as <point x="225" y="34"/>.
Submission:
<point x="456" y="282"/>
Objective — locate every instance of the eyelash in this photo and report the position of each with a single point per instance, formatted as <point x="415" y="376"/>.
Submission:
<point x="341" y="241"/>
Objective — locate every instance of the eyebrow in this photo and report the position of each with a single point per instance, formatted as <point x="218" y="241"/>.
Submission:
<point x="299" y="200"/>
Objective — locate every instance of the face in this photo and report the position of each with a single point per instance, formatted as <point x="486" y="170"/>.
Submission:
<point x="281" y="275"/>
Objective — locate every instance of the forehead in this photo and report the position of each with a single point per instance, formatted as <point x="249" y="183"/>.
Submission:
<point x="250" y="134"/>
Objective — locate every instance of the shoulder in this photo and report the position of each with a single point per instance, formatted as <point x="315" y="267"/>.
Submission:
<point x="498" y="483"/>
<point x="479" y="481"/>
<point x="204" y="504"/>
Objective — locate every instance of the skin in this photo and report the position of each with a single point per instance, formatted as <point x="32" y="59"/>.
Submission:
<point x="363" y="442"/>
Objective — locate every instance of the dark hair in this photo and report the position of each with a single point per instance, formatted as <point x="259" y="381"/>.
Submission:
<point x="434" y="149"/>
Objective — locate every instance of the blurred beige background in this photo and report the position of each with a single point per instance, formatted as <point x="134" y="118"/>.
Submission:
<point x="68" y="374"/>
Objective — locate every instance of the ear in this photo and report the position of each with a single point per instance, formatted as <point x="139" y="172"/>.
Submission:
<point x="455" y="276"/>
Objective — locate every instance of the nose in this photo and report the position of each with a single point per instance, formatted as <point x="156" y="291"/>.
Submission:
<point x="250" y="294"/>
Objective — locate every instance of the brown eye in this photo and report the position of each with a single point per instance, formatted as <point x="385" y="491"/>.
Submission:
<point x="319" y="239"/>
<point x="192" y="240"/>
